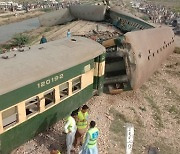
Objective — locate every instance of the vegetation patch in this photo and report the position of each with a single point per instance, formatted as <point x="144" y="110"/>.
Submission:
<point x="152" y="81"/>
<point x="48" y="29"/>
<point x="7" y="16"/>
<point x="171" y="93"/>
<point x="20" y="39"/>
<point x="117" y="129"/>
<point x="145" y="18"/>
<point x="175" y="111"/>
<point x="163" y="147"/>
<point x="173" y="73"/>
<point x="47" y="10"/>
<point x="177" y="50"/>
<point x="156" y="111"/>
<point x="6" y="46"/>
<point x="143" y="87"/>
<point x="117" y="125"/>
<point x="138" y="118"/>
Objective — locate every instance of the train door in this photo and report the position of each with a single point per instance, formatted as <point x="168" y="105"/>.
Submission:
<point x="99" y="68"/>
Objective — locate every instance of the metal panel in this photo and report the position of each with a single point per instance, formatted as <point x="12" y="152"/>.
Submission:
<point x="56" y="17"/>
<point x="89" y="12"/>
<point x="149" y="48"/>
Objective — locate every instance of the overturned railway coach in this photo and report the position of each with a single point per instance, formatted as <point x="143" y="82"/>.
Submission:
<point x="44" y="84"/>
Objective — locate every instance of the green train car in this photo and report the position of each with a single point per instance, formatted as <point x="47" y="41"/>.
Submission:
<point x="45" y="83"/>
<point x="125" y="21"/>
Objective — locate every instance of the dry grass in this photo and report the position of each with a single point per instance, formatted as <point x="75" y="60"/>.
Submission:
<point x="156" y="111"/>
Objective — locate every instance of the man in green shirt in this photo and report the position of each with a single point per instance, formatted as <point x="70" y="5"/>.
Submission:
<point x="43" y="40"/>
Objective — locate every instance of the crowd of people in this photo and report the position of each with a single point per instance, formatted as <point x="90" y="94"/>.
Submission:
<point x="38" y="5"/>
<point x="158" y="13"/>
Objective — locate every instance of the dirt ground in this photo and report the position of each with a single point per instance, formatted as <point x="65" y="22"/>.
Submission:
<point x="154" y="109"/>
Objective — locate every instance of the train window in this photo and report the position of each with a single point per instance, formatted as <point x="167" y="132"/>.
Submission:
<point x="49" y="98"/>
<point x="10" y="117"/>
<point x="76" y="84"/>
<point x="148" y="57"/>
<point x="153" y="54"/>
<point x="149" y="51"/>
<point x="64" y="90"/>
<point x="32" y="106"/>
<point x="157" y="51"/>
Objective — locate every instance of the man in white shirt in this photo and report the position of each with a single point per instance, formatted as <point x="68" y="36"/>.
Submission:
<point x="70" y="130"/>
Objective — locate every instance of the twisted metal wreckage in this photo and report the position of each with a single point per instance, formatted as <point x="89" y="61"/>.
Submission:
<point x="133" y="55"/>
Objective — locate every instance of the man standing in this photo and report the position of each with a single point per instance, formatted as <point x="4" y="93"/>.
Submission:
<point x="69" y="33"/>
<point x="82" y="124"/>
<point x="43" y="40"/>
<point x="90" y="144"/>
<point x="70" y="130"/>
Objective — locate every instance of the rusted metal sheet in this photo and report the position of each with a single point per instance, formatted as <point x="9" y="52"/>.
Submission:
<point x="88" y="12"/>
<point x="56" y="18"/>
<point x="108" y="43"/>
<point x="149" y="48"/>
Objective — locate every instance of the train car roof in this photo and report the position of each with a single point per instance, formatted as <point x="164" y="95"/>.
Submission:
<point x="43" y="60"/>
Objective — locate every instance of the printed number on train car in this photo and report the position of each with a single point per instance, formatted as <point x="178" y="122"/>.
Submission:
<point x="50" y="80"/>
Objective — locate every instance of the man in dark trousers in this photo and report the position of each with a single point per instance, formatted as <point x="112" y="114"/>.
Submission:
<point x="43" y="40"/>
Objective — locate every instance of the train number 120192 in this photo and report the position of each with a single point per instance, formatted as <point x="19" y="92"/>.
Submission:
<point x="50" y="80"/>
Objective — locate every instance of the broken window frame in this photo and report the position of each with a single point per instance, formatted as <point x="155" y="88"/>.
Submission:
<point x="64" y="90"/>
<point x="76" y="84"/>
<point x="11" y="119"/>
<point x="51" y="99"/>
<point x="36" y="103"/>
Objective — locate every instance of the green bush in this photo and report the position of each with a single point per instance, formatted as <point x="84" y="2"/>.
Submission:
<point x="145" y="18"/>
<point x="177" y="50"/>
<point x="20" y="39"/>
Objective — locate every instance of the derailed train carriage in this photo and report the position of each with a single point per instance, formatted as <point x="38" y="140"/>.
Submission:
<point x="46" y="82"/>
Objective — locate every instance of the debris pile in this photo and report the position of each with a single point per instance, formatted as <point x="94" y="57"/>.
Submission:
<point x="101" y="36"/>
